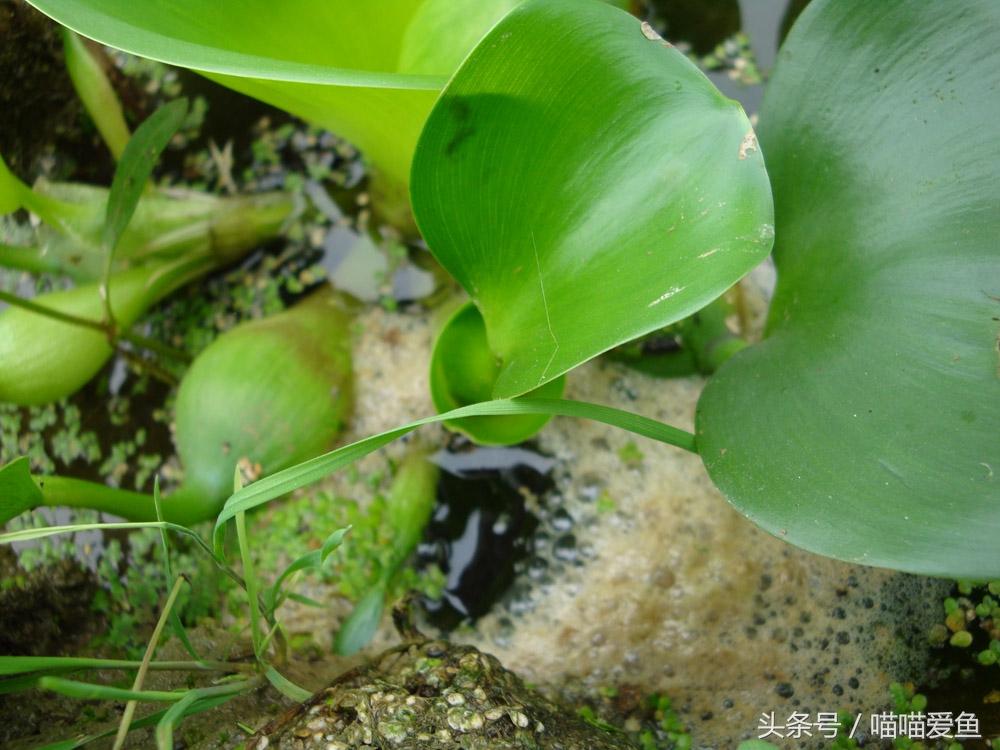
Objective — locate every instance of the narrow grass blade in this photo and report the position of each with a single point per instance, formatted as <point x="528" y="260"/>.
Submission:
<point x="89" y="691"/>
<point x="136" y="165"/>
<point x="310" y="560"/>
<point x="17" y="665"/>
<point x="27" y="535"/>
<point x="285" y="686"/>
<point x="175" y="620"/>
<point x="145" y="721"/>
<point x="251" y="585"/>
<point x="310" y="471"/>
<point x="192" y="703"/>
<point x="140" y="676"/>
<point x="134" y="168"/>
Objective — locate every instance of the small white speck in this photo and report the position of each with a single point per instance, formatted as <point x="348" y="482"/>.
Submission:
<point x="666" y="295"/>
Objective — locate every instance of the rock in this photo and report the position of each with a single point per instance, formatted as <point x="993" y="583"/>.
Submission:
<point x="432" y="695"/>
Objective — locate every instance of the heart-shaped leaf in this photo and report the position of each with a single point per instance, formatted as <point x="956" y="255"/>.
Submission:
<point x="586" y="184"/>
<point x="867" y="425"/>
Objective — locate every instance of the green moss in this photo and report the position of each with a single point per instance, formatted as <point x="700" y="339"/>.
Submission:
<point x="631" y="455"/>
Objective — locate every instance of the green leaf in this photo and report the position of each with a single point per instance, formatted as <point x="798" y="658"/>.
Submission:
<point x="11" y="665"/>
<point x="91" y="691"/>
<point x="285" y="686"/>
<point x="195" y="701"/>
<point x="358" y="629"/>
<point x="18" y="491"/>
<point x="96" y="93"/>
<point x="421" y="50"/>
<point x="464" y="371"/>
<point x="135" y="166"/>
<point x="586" y="184"/>
<point x="307" y="472"/>
<point x="309" y="561"/>
<point x="866" y="426"/>
<point x="148" y="720"/>
<point x="333" y="63"/>
<point x="355" y="68"/>
<point x="12" y="190"/>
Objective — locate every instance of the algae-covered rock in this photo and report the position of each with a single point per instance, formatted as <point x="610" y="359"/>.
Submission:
<point x="432" y="695"/>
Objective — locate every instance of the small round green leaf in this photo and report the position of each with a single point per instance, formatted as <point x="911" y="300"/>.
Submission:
<point x="867" y="425"/>
<point x="463" y="371"/>
<point x="586" y="184"/>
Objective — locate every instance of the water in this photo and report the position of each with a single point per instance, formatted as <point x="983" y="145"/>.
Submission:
<point x="483" y="526"/>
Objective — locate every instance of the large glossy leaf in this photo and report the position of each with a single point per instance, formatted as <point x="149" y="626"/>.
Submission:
<point x="867" y="425"/>
<point x="338" y="63"/>
<point x="368" y="71"/>
<point x="334" y="63"/>
<point x="586" y="184"/>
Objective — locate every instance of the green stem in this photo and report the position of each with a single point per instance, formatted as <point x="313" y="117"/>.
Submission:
<point x="409" y="507"/>
<point x="251" y="585"/>
<point x="14" y="301"/>
<point x="140" y="675"/>
<point x="30" y="259"/>
<point x="135" y="339"/>
<point x="184" y="507"/>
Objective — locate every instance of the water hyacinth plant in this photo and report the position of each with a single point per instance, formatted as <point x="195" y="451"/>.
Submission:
<point x="881" y="314"/>
<point x="369" y="72"/>
<point x="265" y="395"/>
<point x="587" y="185"/>
<point x="126" y="248"/>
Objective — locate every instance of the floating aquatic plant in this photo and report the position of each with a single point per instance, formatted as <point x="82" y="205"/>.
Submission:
<point x="126" y="248"/>
<point x="369" y="72"/>
<point x="864" y="425"/>
<point x="463" y="372"/>
<point x="586" y="185"/>
<point x="265" y="395"/>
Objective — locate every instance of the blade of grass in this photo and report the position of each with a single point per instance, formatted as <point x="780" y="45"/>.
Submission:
<point x="17" y="665"/>
<point x="311" y="560"/>
<point x="140" y="675"/>
<point x="303" y="599"/>
<point x="286" y="687"/>
<point x="183" y="708"/>
<point x="145" y="721"/>
<point x="175" y="619"/>
<point x="26" y="535"/>
<point x="314" y="469"/>
<point x="251" y="581"/>
<point x="357" y="630"/>
<point x="90" y="691"/>
<point x="133" y="171"/>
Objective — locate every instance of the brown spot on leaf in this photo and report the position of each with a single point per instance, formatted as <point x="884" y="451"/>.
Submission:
<point x="748" y="144"/>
